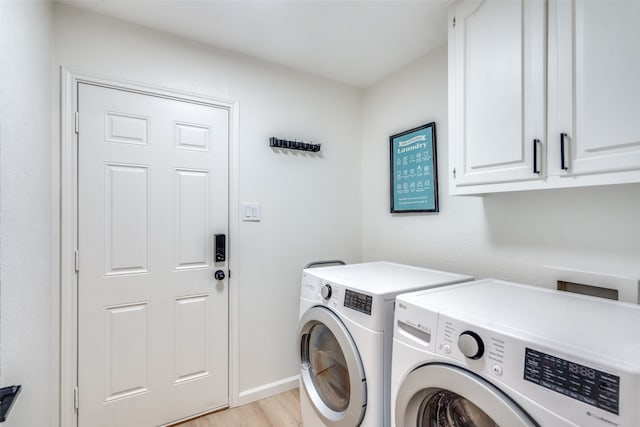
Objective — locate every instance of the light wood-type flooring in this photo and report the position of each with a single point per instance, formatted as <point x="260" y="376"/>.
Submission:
<point x="282" y="410"/>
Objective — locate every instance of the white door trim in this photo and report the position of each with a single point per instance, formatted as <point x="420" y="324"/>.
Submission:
<point x="69" y="227"/>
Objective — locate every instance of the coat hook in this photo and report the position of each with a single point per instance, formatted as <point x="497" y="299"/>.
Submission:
<point x="294" y="145"/>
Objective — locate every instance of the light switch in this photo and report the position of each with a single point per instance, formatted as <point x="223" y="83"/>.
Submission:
<point x="251" y="211"/>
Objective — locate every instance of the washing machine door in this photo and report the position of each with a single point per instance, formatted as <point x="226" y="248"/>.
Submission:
<point x="440" y="395"/>
<point x="331" y="369"/>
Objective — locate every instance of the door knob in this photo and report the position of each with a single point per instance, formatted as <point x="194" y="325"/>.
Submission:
<point x="219" y="275"/>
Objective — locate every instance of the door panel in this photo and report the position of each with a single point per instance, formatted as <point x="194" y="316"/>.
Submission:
<point x="191" y="338"/>
<point x="497" y="52"/>
<point x="126" y="219"/>
<point x="126" y="351"/>
<point x="152" y="319"/>
<point x="606" y="135"/>
<point x="193" y="248"/>
<point x="494" y="77"/>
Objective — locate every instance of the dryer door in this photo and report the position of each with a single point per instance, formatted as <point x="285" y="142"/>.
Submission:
<point x="447" y="396"/>
<point x="331" y="369"/>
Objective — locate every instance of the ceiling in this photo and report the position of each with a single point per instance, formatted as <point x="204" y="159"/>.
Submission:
<point x="356" y="42"/>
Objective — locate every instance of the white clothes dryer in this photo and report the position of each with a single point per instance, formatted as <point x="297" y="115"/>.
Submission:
<point x="345" y="338"/>
<point x="490" y="353"/>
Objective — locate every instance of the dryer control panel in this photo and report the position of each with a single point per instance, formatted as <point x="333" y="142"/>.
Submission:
<point x="357" y="301"/>
<point x="369" y="310"/>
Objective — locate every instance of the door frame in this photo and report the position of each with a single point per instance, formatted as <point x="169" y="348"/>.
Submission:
<point x="69" y="81"/>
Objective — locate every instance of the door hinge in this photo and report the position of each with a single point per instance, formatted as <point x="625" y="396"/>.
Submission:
<point x="76" y="399"/>
<point x="454" y="172"/>
<point x="454" y="22"/>
<point x="76" y="260"/>
<point x="77" y="122"/>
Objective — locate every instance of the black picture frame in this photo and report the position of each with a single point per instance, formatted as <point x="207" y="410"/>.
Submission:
<point x="414" y="170"/>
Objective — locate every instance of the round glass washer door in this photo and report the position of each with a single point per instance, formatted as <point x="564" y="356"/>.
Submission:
<point x="442" y="408"/>
<point x="440" y="395"/>
<point x="331" y="370"/>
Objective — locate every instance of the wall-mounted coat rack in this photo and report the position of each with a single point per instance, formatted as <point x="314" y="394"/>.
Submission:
<point x="293" y="145"/>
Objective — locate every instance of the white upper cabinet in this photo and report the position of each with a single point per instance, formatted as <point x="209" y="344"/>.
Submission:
<point x="543" y="94"/>
<point x="497" y="55"/>
<point x="594" y="86"/>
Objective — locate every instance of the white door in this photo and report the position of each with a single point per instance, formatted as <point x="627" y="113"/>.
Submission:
<point x="152" y="319"/>
<point x="594" y="86"/>
<point x="497" y="93"/>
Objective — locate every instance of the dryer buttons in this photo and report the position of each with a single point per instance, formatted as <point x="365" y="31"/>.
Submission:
<point x="447" y="348"/>
<point x="497" y="370"/>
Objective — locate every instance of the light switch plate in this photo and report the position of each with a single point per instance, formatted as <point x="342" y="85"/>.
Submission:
<point x="251" y="211"/>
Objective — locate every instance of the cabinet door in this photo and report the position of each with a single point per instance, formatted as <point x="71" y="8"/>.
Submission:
<point x="594" y="87"/>
<point x="497" y="69"/>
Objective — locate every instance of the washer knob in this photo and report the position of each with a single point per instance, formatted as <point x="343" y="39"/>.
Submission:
<point x="326" y="291"/>
<point x="471" y="345"/>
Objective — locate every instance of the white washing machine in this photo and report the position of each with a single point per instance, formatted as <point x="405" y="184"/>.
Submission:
<point x="490" y="353"/>
<point x="345" y="337"/>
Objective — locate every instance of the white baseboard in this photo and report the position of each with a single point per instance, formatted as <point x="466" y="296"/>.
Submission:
<point x="268" y="390"/>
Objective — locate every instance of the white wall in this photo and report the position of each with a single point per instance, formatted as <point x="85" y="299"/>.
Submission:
<point x="509" y="236"/>
<point x="310" y="204"/>
<point x="28" y="339"/>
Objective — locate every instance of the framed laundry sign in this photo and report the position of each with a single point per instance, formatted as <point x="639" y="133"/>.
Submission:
<point x="414" y="172"/>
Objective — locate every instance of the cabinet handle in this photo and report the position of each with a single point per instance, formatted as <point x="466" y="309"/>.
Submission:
<point x="536" y="169"/>
<point x="563" y="156"/>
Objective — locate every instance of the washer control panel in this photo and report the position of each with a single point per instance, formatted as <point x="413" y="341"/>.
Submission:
<point x="532" y="369"/>
<point x="580" y="382"/>
<point x="471" y="345"/>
